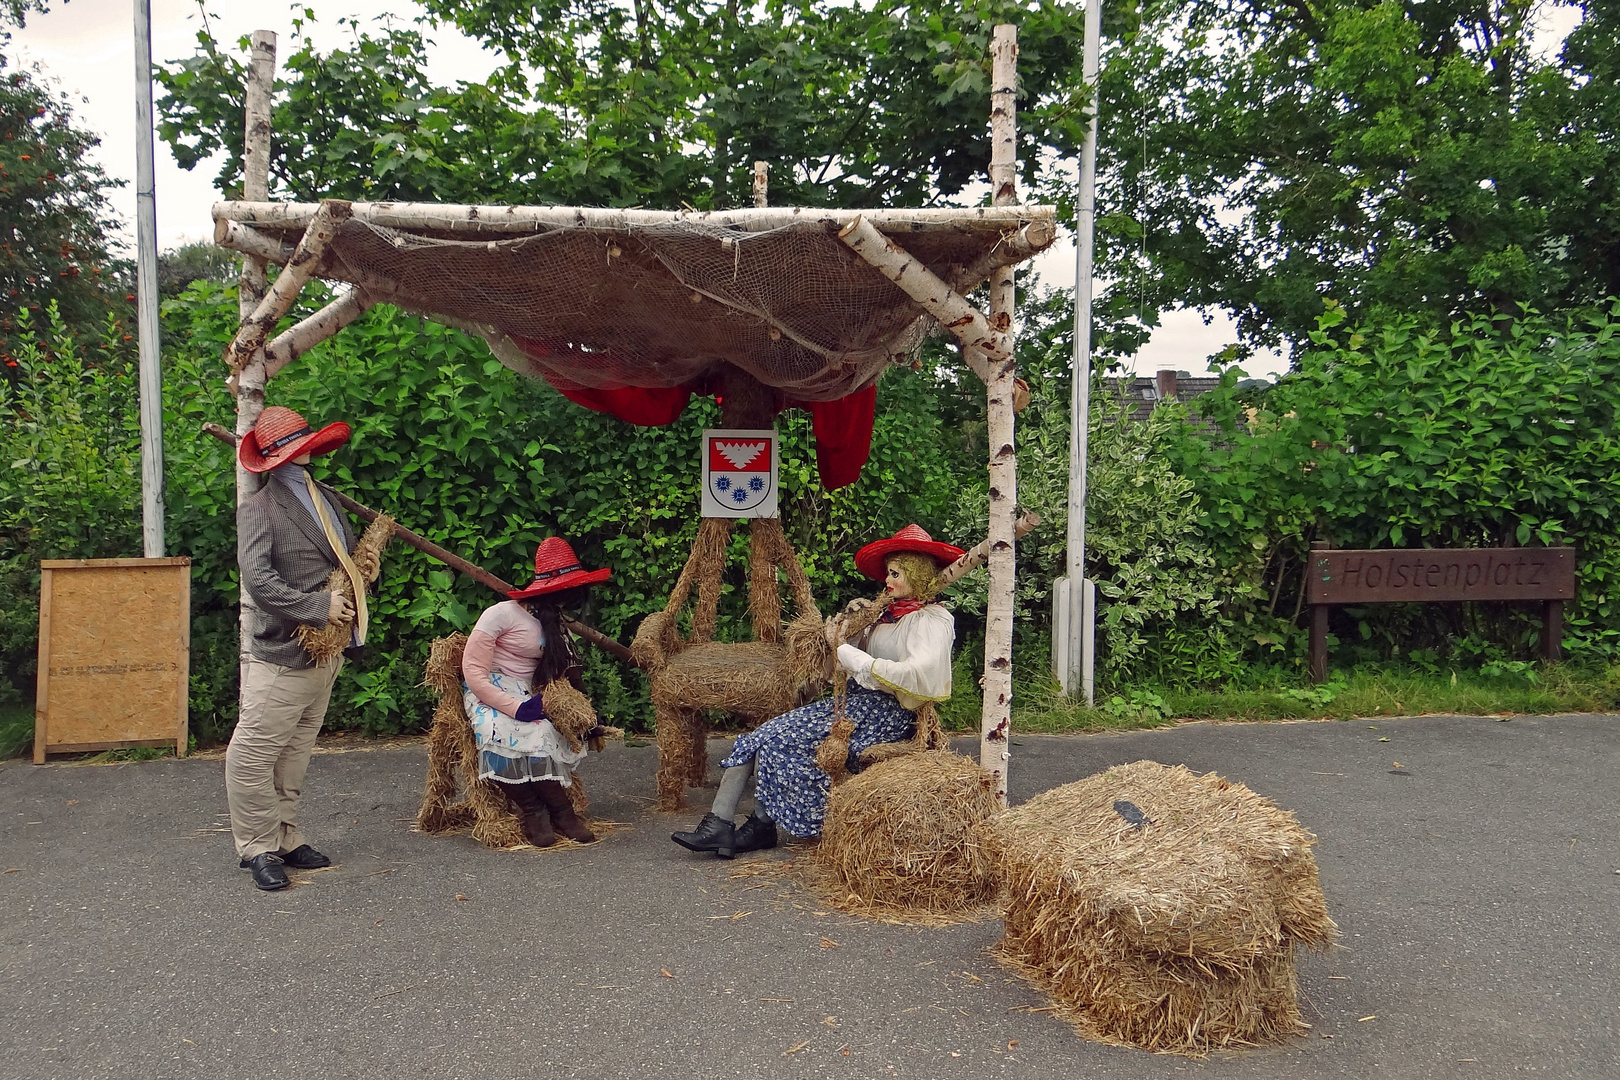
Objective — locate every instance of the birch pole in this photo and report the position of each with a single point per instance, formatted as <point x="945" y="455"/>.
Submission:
<point x="996" y="725"/>
<point x="251" y="285"/>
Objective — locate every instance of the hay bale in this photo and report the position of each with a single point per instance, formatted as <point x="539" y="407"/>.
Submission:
<point x="1174" y="931"/>
<point x="899" y="840"/>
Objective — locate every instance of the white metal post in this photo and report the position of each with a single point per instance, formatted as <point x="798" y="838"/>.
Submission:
<point x="1078" y="676"/>
<point x="146" y="293"/>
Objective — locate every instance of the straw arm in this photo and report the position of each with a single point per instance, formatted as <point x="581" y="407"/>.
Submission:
<point x="455" y="562"/>
<point x="525" y="219"/>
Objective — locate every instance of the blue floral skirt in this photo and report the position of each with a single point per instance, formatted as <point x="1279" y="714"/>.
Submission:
<point x="788" y="784"/>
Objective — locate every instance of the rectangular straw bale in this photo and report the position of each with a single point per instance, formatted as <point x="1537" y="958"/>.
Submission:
<point x="1208" y="875"/>
<point x="1160" y="908"/>
<point x="1166" y="1006"/>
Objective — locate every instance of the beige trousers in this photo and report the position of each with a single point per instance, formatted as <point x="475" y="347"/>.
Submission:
<point x="282" y="710"/>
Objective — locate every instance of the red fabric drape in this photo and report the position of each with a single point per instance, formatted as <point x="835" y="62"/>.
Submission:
<point x="843" y="426"/>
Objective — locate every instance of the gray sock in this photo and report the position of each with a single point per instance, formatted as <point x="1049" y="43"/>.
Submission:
<point x="731" y="789"/>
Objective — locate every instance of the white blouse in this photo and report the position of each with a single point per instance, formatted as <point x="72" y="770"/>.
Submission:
<point x="911" y="658"/>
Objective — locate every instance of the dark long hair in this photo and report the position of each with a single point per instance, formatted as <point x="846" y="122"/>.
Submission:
<point x="559" y="659"/>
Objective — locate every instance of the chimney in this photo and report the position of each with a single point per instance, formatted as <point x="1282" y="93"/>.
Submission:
<point x="1165" y="381"/>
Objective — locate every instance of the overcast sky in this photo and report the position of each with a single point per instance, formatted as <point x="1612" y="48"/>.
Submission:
<point x="87" y="46"/>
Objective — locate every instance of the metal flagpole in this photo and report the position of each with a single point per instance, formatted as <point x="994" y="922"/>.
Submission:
<point x="146" y="290"/>
<point x="1078" y="675"/>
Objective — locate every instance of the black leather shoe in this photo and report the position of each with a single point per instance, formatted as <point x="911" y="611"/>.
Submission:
<point x="268" y="874"/>
<point x="755" y="834"/>
<point x="304" y="857"/>
<point x="713" y="833"/>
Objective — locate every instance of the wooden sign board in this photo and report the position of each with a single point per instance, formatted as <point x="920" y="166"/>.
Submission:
<point x="114" y="654"/>
<point x="1439" y="574"/>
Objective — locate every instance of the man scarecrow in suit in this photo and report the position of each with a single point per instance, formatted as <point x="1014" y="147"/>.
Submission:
<point x="290" y="537"/>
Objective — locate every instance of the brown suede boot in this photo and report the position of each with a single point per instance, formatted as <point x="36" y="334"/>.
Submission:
<point x="561" y="806"/>
<point x="532" y="813"/>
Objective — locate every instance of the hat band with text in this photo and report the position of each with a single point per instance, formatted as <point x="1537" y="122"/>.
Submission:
<point x="285" y="439"/>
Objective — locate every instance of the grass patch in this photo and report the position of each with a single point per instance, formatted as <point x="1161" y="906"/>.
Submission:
<point x="17" y="740"/>
<point x="16" y="729"/>
<point x="1532" y="689"/>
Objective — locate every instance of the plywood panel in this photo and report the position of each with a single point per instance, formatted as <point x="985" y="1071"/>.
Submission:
<point x="114" y="653"/>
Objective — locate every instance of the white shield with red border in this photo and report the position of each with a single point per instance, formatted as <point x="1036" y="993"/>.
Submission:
<point x="739" y="473"/>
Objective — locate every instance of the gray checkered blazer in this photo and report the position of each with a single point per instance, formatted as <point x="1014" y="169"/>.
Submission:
<point x="285" y="561"/>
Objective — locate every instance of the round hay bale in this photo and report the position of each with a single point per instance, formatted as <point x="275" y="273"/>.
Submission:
<point x="900" y="840"/>
<point x="1160" y="908"/>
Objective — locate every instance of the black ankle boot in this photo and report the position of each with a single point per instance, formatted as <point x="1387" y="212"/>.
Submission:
<point x="755" y="834"/>
<point x="713" y="833"/>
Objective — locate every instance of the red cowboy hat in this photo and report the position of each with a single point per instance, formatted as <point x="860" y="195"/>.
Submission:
<point x="280" y="435"/>
<point x="556" y="567"/>
<point x="871" y="560"/>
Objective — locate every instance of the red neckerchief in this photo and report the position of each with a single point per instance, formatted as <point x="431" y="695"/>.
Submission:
<point x="901" y="608"/>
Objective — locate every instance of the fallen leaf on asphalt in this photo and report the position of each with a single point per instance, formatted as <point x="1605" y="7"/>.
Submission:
<point x="377" y="923"/>
<point x="795" y="1048"/>
<point x="1364" y="1019"/>
<point x="828" y="943"/>
<point x="73" y="802"/>
<point x="1011" y="1043"/>
<point x="1383" y="738"/>
<point x="15" y="869"/>
<point x="460" y="897"/>
<point x="831" y="1021"/>
<point x="666" y="973"/>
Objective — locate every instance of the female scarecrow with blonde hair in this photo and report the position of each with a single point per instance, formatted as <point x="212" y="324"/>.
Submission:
<point x="900" y="662"/>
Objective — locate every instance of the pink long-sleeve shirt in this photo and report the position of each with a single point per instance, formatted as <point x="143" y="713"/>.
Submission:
<point x="506" y="639"/>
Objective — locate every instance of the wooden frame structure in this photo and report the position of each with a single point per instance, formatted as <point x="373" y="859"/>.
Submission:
<point x="986" y="340"/>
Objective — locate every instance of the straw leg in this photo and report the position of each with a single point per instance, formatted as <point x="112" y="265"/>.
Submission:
<point x="444" y="759"/>
<point x="675" y="730"/>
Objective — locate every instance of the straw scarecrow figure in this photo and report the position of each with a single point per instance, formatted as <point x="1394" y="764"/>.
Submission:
<point x="307" y="581"/>
<point x="522" y="694"/>
<point x="897" y="656"/>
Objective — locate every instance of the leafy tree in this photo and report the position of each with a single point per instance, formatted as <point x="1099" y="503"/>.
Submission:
<point x="54" y="216"/>
<point x="200" y="261"/>
<point x="603" y="103"/>
<point x="1397" y="156"/>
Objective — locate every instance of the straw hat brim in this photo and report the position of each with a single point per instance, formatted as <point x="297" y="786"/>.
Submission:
<point x="557" y="584"/>
<point x="871" y="559"/>
<point x="324" y="441"/>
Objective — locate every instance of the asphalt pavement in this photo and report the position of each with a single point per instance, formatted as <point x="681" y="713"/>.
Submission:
<point x="1472" y="864"/>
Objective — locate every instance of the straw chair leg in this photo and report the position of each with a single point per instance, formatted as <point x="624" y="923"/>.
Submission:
<point x="680" y="740"/>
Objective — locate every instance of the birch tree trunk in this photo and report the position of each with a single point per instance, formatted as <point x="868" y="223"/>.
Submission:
<point x="249" y="382"/>
<point x="304" y="336"/>
<point x="250" y="336"/>
<point x="1003" y="465"/>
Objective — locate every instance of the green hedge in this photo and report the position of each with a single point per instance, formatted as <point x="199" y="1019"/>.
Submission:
<point x="455" y="446"/>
